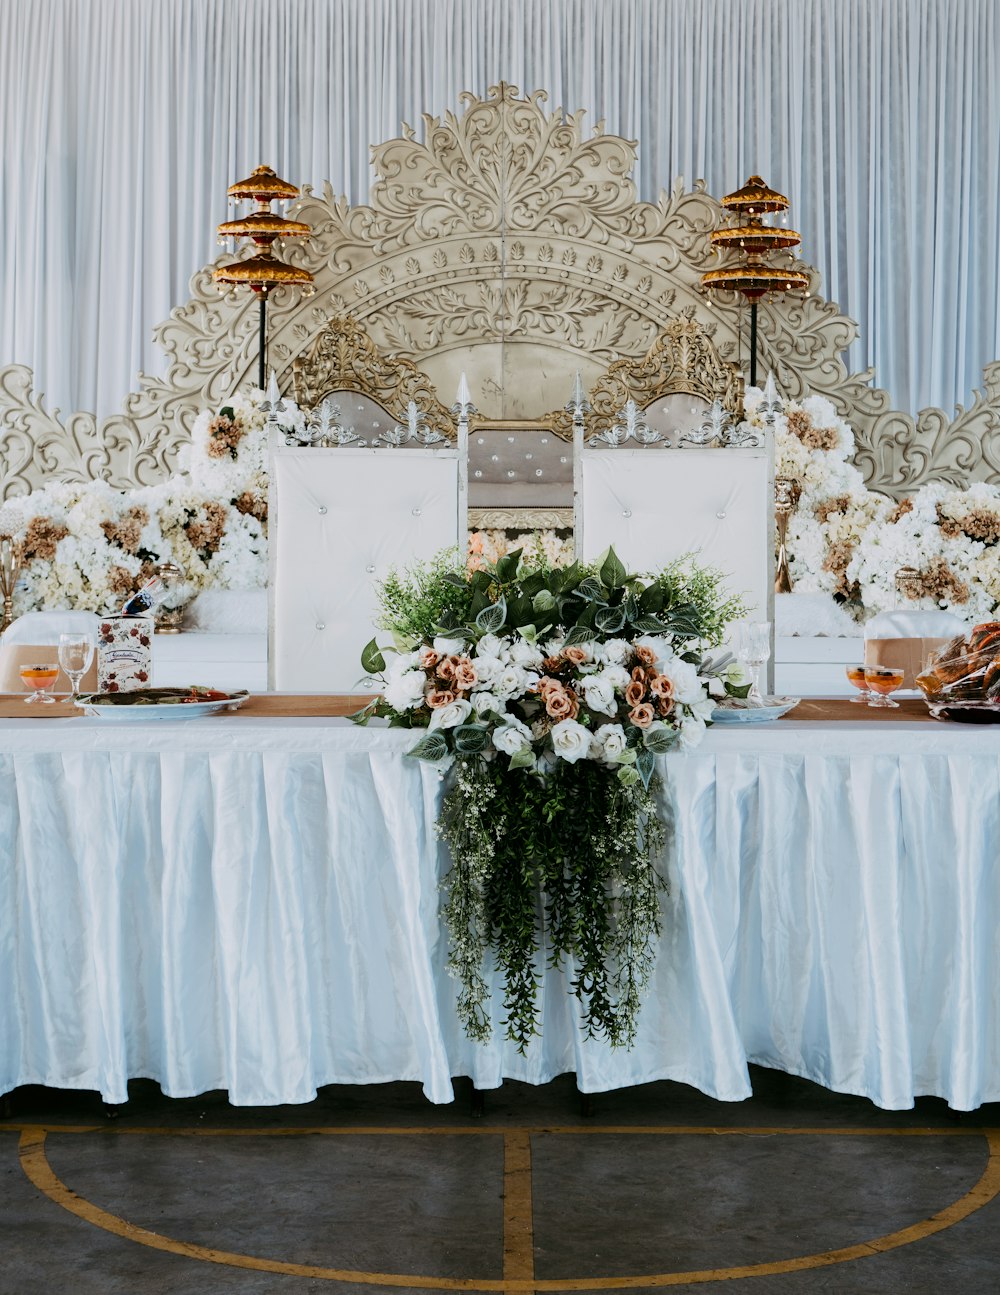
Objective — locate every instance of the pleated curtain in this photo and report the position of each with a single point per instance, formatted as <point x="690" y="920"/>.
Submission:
<point x="123" y="122"/>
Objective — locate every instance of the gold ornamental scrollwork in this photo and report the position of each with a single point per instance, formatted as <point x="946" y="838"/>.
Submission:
<point x="505" y="241"/>
<point x="344" y="358"/>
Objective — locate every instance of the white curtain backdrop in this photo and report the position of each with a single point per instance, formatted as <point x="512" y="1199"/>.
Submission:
<point x="124" y="121"/>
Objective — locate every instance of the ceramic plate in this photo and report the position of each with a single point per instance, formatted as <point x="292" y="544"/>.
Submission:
<point x="155" y="703"/>
<point x="773" y="708"/>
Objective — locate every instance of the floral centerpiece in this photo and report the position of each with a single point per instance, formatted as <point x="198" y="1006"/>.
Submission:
<point x="551" y="691"/>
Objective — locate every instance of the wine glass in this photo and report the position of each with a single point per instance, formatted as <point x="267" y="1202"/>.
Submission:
<point x="40" y="680"/>
<point x="76" y="651"/>
<point x="753" y="647"/>
<point x="882" y="680"/>
<point x="856" y="676"/>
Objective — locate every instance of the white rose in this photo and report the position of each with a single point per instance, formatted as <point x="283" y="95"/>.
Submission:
<point x="691" y="732"/>
<point x="490" y="646"/>
<point x="609" y="742"/>
<point x="512" y="737"/>
<point x="527" y="654"/>
<point x="555" y="644"/>
<point x="716" y="688"/>
<point x="616" y="676"/>
<point x="615" y="650"/>
<point x="600" y="694"/>
<point x="510" y="682"/>
<point x="685" y="679"/>
<point x="403" y="691"/>
<point x="450" y="716"/>
<point x="448" y="647"/>
<point x="483" y="702"/>
<point x="570" y="740"/>
<point x="736" y="674"/>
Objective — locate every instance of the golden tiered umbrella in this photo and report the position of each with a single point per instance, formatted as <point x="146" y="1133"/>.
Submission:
<point x="264" y="270"/>
<point x="754" y="241"/>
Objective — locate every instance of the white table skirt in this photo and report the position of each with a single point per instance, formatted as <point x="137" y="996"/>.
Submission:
<point x="252" y="904"/>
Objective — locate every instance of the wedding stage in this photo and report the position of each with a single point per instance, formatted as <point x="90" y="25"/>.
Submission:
<point x="251" y="903"/>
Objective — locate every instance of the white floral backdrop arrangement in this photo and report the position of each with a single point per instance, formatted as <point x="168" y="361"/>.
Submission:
<point x="88" y="545"/>
<point x="848" y="541"/>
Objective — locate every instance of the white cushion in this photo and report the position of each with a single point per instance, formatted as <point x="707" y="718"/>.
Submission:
<point x="228" y="611"/>
<point x="44" y="628"/>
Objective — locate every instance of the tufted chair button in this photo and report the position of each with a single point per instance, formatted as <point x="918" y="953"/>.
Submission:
<point x="370" y="568"/>
<point x="626" y="512"/>
<point x="320" y="625"/>
<point x="721" y="516"/>
<point x="416" y="511"/>
<point x="322" y="510"/>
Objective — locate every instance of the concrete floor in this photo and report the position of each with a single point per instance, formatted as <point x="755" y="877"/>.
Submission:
<point x="372" y="1189"/>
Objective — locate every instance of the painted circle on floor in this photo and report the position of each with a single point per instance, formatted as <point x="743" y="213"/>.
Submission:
<point x="518" y="1268"/>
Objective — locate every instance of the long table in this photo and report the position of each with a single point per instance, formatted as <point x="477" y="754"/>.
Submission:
<point x="250" y="902"/>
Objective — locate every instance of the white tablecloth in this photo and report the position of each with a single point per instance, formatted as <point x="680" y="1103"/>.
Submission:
<point x="253" y="905"/>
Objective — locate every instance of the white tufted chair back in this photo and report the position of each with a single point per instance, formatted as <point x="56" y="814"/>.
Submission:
<point x="338" y="520"/>
<point x="657" y="503"/>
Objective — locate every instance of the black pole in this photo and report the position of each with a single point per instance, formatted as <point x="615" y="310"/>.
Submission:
<point x="753" y="343"/>
<point x="262" y="342"/>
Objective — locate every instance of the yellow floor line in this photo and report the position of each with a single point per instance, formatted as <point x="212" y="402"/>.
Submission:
<point x="518" y="1228"/>
<point x="40" y="1173"/>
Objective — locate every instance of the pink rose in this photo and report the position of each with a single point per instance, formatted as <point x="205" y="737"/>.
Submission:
<point x="641" y="716"/>
<point x="635" y="692"/>
<point x="440" y="697"/>
<point x="428" y="658"/>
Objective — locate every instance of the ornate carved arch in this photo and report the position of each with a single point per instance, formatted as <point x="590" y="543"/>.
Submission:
<point x="507" y="243"/>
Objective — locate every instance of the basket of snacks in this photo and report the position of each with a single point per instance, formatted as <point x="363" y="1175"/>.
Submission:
<point x="961" y="681"/>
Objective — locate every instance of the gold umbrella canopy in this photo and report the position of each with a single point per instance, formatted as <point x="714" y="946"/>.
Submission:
<point x="262" y="186"/>
<point x="263" y="226"/>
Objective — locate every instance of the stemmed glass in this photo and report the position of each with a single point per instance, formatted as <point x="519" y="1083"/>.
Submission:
<point x="39" y="680"/>
<point x="881" y="681"/>
<point x="76" y="651"/>
<point x="753" y="648"/>
<point x="856" y="677"/>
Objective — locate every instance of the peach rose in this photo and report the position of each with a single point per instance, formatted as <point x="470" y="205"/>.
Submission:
<point x="562" y="704"/>
<point x="661" y="686"/>
<point x="645" y="655"/>
<point x="575" y="655"/>
<point x="638" y="674"/>
<point x="641" y="716"/>
<point x="665" y="706"/>
<point x="546" y="683"/>
<point x="428" y="658"/>
<point x="440" y="697"/>
<point x="446" y="668"/>
<point x="634" y="693"/>
<point x="552" y="664"/>
<point x="465" y="675"/>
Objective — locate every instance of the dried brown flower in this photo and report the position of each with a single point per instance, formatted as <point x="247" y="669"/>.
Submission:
<point x="826" y="508"/>
<point x="813" y="438"/>
<point x="939" y="582"/>
<point x="121" y="581"/>
<point x="224" y="436"/>
<point x="251" y="505"/>
<point x="127" y="530"/>
<point x="902" y="508"/>
<point x="41" y="537"/>
<point x="837" y="560"/>
<point x="206" y="536"/>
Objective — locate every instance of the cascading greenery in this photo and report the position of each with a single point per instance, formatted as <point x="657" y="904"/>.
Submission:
<point x="548" y="693"/>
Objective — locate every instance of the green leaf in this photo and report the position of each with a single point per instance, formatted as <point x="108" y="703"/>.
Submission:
<point x="659" y="740"/>
<point x="432" y="747"/>
<point x="650" y="625"/>
<point x="651" y="599"/>
<point x="362" y="716"/>
<point x="627" y="776"/>
<point x="528" y="632"/>
<point x="470" y="739"/>
<point x="613" y="572"/>
<point x="610" y="619"/>
<point x="543" y="601"/>
<point x="372" y="660"/>
<point x="645" y="764"/>
<point x="453" y="578"/>
<point x="591" y="589"/>
<point x="579" y="634"/>
<point x="507" y="566"/>
<point x="738" y="690"/>
<point x="523" y="759"/>
<point x="491" y="618"/>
